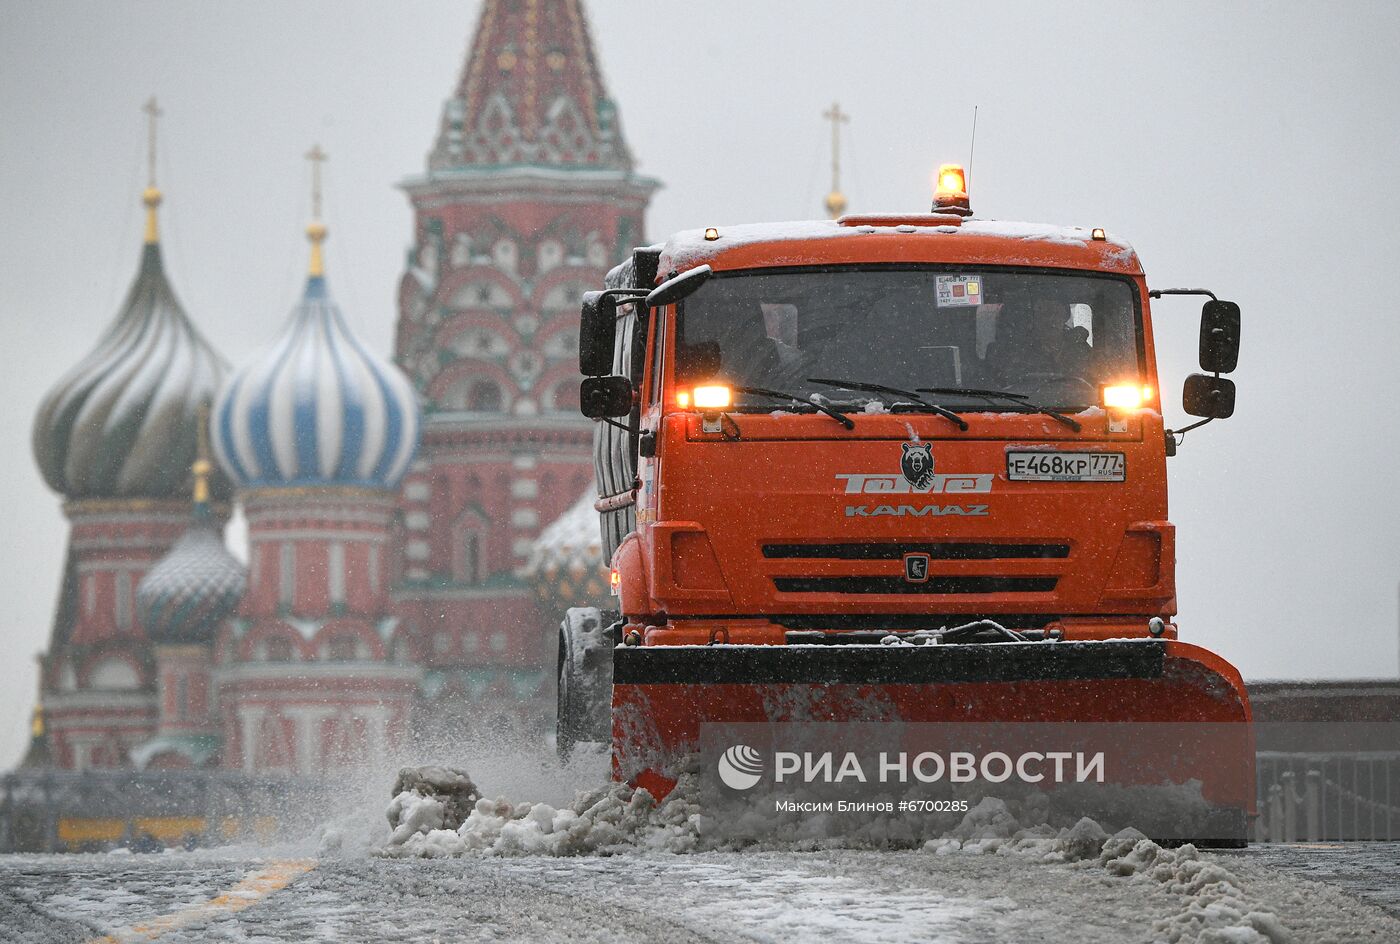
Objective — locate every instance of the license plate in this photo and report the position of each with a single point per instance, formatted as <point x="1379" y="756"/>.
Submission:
<point x="1055" y="466"/>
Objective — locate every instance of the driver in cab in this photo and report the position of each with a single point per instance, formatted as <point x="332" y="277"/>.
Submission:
<point x="1036" y="344"/>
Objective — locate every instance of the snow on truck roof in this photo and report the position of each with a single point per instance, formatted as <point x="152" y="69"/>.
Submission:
<point x="988" y="242"/>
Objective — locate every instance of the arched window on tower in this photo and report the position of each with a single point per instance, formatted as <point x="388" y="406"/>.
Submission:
<point x="469" y="532"/>
<point x="343" y="647"/>
<point x="475" y="394"/>
<point x="278" y="649"/>
<point x="484" y="396"/>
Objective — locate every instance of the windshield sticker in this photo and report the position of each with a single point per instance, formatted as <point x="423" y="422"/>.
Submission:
<point x="958" y="291"/>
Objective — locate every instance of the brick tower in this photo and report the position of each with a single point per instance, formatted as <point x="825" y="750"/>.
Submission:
<point x="116" y="437"/>
<point x="529" y="196"/>
<point x="317" y="432"/>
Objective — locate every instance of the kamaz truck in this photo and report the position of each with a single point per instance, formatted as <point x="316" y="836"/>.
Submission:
<point x="819" y="440"/>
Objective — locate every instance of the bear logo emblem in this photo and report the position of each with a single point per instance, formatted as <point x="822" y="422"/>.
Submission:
<point x="917" y="465"/>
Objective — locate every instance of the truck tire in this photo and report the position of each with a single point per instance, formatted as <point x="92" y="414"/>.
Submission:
<point x="584" y="705"/>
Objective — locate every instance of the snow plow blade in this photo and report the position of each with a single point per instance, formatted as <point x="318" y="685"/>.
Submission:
<point x="662" y="695"/>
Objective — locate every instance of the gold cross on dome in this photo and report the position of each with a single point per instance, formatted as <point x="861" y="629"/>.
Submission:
<point x="153" y="112"/>
<point x="836" y="200"/>
<point x="317" y="157"/>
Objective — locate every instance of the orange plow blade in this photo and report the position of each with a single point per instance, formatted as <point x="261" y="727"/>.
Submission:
<point x="663" y="696"/>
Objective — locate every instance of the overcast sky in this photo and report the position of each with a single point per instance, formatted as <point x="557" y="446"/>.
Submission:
<point x="1250" y="149"/>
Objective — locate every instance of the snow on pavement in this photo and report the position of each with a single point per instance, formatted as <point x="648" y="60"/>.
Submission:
<point x="611" y="866"/>
<point x="851" y="895"/>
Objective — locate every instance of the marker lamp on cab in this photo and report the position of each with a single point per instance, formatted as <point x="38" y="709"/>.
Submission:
<point x="712" y="397"/>
<point x="1125" y="396"/>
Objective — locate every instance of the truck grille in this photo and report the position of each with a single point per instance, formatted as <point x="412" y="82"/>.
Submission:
<point x="947" y="550"/>
<point x="898" y="585"/>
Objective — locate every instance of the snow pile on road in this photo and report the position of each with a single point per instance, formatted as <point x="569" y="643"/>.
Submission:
<point x="611" y="819"/>
<point x="429" y="798"/>
<point x="1215" y="910"/>
<point x="1217" y="906"/>
<point x="426" y="817"/>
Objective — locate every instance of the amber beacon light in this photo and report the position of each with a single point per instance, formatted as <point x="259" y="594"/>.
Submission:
<point x="950" y="191"/>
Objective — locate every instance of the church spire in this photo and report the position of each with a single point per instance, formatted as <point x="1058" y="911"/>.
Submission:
<point x="531" y="93"/>
<point x="151" y="196"/>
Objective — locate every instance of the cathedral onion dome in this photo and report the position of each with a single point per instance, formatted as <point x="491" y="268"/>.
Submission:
<point x="566" y="566"/>
<point x="318" y="408"/>
<point x="189" y="591"/>
<point x="122" y="423"/>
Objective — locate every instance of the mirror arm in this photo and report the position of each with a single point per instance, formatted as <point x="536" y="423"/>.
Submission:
<point x="1180" y="434"/>
<point x="625" y="427"/>
<point x="1159" y="292"/>
<point x="624" y="293"/>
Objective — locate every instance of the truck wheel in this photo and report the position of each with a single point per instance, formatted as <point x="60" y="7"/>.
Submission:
<point x="583" y="710"/>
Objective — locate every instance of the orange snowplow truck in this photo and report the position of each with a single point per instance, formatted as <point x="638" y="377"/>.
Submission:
<point x="819" y="437"/>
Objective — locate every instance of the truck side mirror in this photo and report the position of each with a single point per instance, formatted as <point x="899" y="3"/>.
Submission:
<point x="605" y="397"/>
<point x="597" y="332"/>
<point x="683" y="285"/>
<point x="1211" y="397"/>
<point x="1220" y="337"/>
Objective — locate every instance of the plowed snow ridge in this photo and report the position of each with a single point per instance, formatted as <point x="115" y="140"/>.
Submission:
<point x="1215" y="908"/>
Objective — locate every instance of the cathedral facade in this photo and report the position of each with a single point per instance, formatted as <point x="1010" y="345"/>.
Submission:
<point x="411" y="517"/>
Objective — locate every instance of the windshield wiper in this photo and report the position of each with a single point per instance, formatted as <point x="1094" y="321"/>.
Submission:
<point x="1013" y="399"/>
<point x="909" y="395"/>
<point x="837" y="415"/>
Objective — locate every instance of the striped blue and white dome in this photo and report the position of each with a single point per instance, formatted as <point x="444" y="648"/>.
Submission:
<point x="318" y="408"/>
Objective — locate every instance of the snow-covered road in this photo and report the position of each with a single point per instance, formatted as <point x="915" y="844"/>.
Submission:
<point x="850" y="896"/>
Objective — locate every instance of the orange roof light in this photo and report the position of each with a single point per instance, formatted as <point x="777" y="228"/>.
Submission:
<point x="683" y="399"/>
<point x="950" y="193"/>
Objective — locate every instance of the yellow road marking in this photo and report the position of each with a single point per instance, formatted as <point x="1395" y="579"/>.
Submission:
<point x="254" y="888"/>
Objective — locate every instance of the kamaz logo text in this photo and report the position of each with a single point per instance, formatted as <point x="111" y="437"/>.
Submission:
<point x="915" y="511"/>
<point x="861" y="484"/>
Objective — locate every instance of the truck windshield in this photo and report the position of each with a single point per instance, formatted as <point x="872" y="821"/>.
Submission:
<point x="1052" y="338"/>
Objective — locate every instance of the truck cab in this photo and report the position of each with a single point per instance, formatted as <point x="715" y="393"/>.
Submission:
<point x="886" y="424"/>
